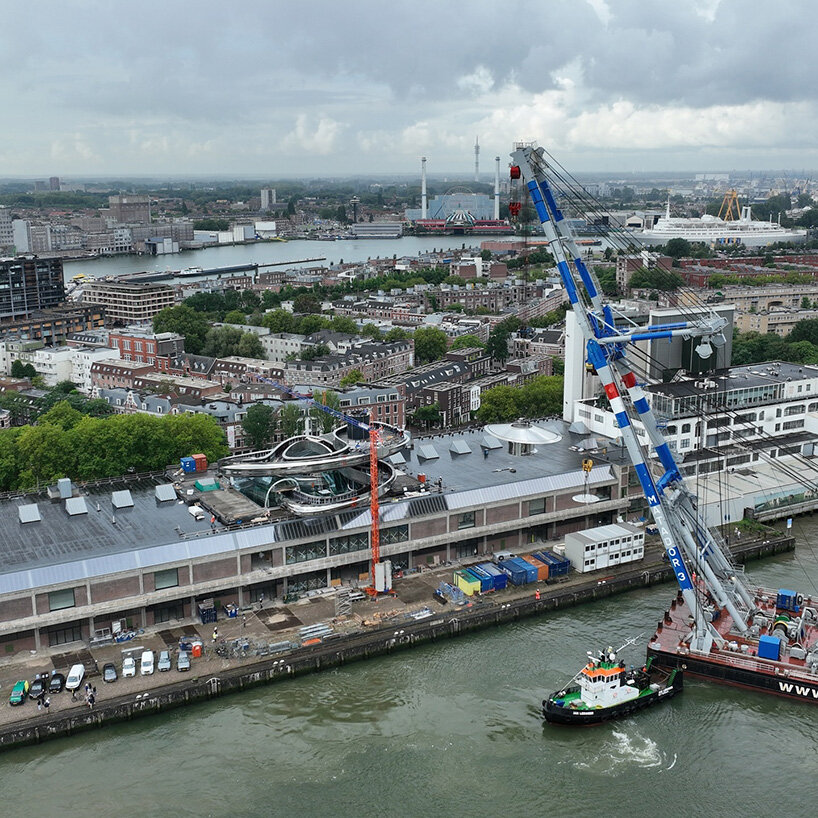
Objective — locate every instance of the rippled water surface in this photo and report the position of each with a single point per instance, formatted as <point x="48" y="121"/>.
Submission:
<point x="448" y="729"/>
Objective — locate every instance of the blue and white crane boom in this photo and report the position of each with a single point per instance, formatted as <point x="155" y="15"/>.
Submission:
<point x="689" y="544"/>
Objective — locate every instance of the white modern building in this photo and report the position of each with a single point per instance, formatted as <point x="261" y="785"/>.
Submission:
<point x="604" y="546"/>
<point x="84" y="358"/>
<point x="727" y="420"/>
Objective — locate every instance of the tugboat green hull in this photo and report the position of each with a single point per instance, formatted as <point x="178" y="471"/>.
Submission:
<point x="654" y="684"/>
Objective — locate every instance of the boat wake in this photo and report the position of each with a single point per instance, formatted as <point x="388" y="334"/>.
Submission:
<point x="629" y="749"/>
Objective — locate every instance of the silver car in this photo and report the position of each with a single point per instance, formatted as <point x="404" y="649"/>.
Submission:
<point x="183" y="661"/>
<point x="164" y="661"/>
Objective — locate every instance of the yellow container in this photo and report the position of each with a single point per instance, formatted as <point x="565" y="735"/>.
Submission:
<point x="466" y="583"/>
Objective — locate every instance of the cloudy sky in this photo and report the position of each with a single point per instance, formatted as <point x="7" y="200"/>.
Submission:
<point x="276" y="87"/>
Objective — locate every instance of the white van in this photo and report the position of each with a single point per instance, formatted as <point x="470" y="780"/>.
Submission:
<point x="146" y="665"/>
<point x="75" y="677"/>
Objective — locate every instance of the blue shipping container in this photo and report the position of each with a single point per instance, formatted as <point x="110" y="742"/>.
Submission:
<point x="486" y="581"/>
<point x="517" y="575"/>
<point x="188" y="465"/>
<point x="769" y="647"/>
<point x="500" y="578"/>
<point x="530" y="570"/>
<point x="556" y="565"/>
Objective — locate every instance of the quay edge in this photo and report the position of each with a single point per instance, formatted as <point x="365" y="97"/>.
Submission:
<point x="355" y="647"/>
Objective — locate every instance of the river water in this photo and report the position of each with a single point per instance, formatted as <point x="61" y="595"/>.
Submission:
<point x="287" y="254"/>
<point x="451" y="728"/>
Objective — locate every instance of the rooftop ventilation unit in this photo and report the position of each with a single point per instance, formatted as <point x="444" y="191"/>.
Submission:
<point x="122" y="499"/>
<point x="165" y="493"/>
<point x="29" y="513"/>
<point x="75" y="506"/>
<point x="64" y="487"/>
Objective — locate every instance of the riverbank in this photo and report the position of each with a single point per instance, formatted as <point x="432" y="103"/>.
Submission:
<point x="214" y="676"/>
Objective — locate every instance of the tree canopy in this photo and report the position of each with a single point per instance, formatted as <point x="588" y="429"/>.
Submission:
<point x="540" y="397"/>
<point x="185" y="321"/>
<point x="259" y="424"/>
<point x="65" y="443"/>
<point x="430" y="344"/>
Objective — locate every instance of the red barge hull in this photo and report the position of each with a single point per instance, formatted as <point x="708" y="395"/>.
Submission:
<point x="737" y="663"/>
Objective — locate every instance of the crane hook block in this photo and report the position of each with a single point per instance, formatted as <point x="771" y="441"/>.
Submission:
<point x="514" y="171"/>
<point x="514" y="208"/>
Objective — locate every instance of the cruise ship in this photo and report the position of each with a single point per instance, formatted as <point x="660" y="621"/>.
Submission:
<point x="715" y="231"/>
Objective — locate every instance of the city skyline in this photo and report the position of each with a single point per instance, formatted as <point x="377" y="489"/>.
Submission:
<point x="624" y="86"/>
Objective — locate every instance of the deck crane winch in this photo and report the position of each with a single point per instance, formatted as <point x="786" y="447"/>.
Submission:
<point x="686" y="538"/>
<point x="381" y="579"/>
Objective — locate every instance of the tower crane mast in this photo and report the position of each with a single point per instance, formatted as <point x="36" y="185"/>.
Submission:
<point x="686" y="539"/>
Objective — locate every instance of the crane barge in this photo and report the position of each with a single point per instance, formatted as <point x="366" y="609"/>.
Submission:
<point x="717" y="626"/>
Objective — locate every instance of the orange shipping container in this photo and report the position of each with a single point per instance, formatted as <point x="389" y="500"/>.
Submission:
<point x="542" y="568"/>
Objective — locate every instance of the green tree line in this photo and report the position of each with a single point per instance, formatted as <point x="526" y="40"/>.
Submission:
<point x="540" y="397"/>
<point x="66" y="443"/>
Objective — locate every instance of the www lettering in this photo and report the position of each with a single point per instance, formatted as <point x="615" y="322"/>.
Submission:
<point x="786" y="687"/>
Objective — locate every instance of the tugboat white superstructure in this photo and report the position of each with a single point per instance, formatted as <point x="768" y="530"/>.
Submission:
<point x="607" y="689"/>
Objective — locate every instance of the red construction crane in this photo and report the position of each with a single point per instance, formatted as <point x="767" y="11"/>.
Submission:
<point x="374" y="477"/>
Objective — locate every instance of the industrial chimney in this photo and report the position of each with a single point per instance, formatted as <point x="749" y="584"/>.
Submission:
<point x="497" y="188"/>
<point x="423" y="187"/>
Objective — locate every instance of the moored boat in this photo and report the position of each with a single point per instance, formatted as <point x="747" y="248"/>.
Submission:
<point x="607" y="689"/>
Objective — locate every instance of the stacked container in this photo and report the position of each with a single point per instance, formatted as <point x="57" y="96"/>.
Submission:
<point x="188" y="465"/>
<point x="500" y="577"/>
<point x="542" y="568"/>
<point x="201" y="462"/>
<point x="466" y="582"/>
<point x="486" y="580"/>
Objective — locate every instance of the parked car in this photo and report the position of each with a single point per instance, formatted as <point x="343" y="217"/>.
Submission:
<point x="164" y="661"/>
<point x="19" y="692"/>
<point x="109" y="672"/>
<point x="128" y="667"/>
<point x="146" y="663"/>
<point x="183" y="661"/>
<point x="75" y="677"/>
<point x="38" y="685"/>
<point x="56" y="683"/>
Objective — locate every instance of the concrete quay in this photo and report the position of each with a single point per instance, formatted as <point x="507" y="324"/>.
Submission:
<point x="373" y="629"/>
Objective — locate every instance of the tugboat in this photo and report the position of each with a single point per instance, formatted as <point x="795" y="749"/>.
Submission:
<point x="608" y="690"/>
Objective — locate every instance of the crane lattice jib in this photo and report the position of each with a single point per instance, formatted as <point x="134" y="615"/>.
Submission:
<point x="685" y="538"/>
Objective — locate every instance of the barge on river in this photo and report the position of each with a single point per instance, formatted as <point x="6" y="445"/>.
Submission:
<point x="778" y="654"/>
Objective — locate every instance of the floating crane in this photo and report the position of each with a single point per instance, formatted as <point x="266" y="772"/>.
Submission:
<point x="686" y="538"/>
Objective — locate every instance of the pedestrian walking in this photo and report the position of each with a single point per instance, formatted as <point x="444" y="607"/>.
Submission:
<point x="39" y="703"/>
<point x="73" y="695"/>
<point x="47" y="704"/>
<point x="537" y="595"/>
<point x="261" y="600"/>
<point x="94" y="690"/>
<point x="215" y="634"/>
<point x="243" y="621"/>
